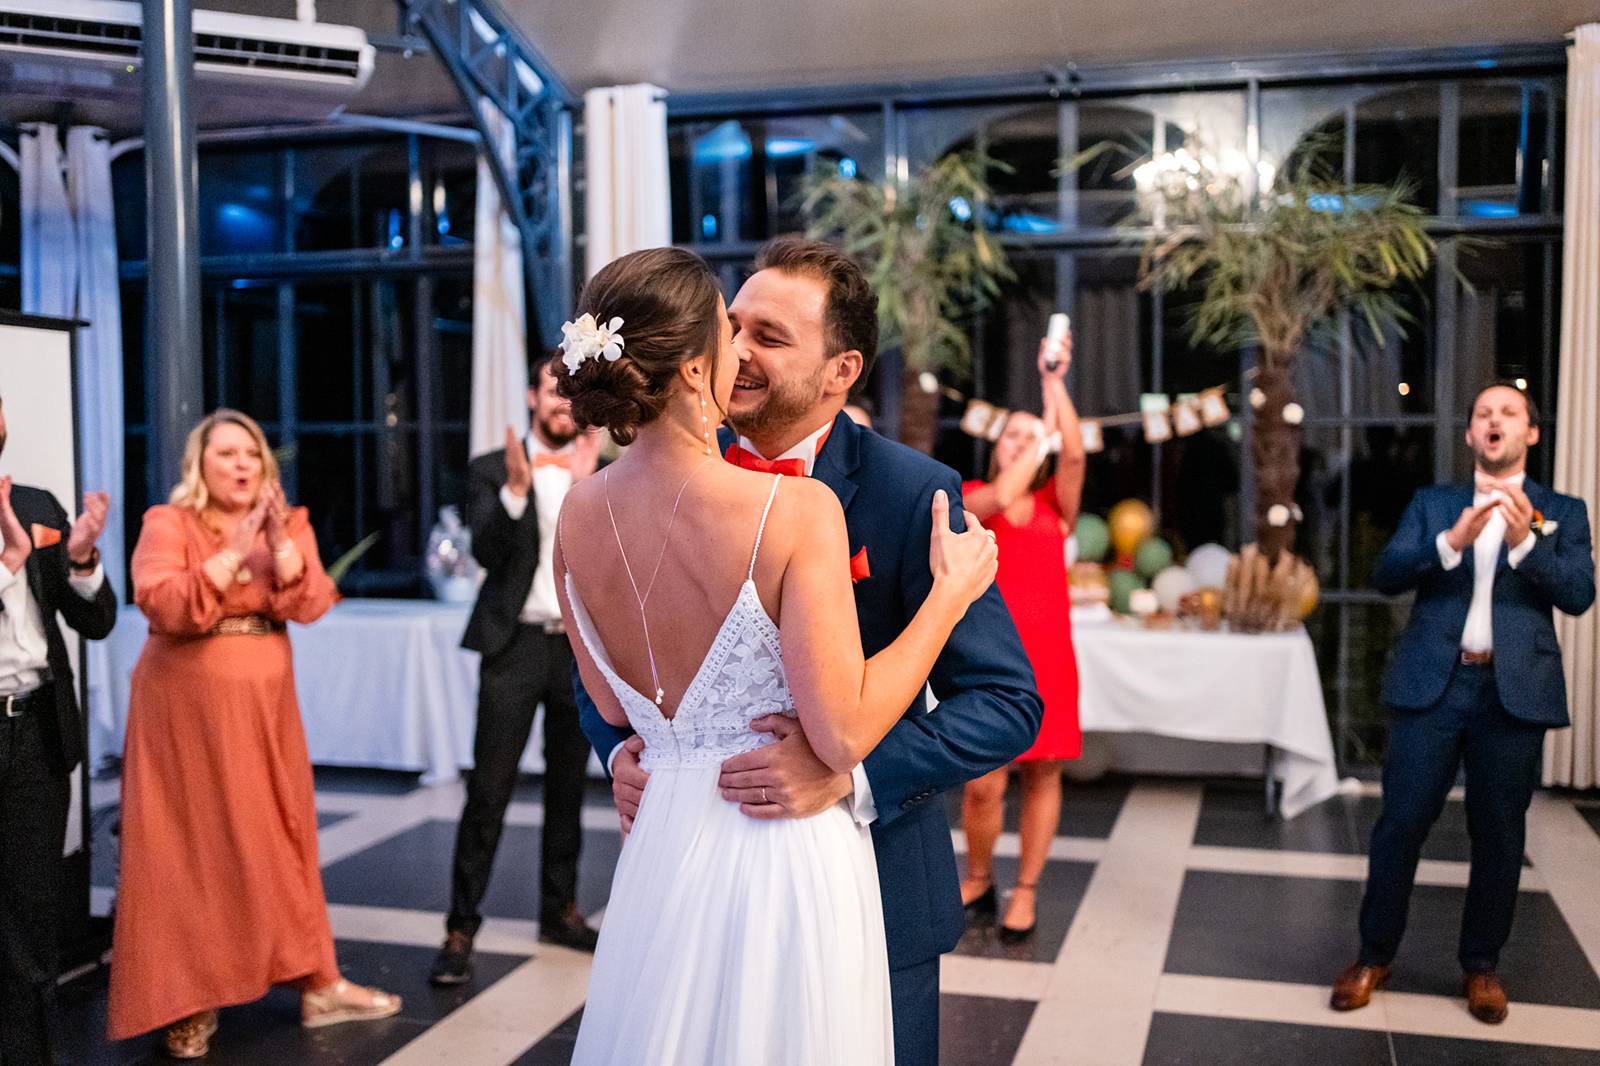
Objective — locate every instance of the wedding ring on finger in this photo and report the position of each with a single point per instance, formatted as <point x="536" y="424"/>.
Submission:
<point x="763" y="795"/>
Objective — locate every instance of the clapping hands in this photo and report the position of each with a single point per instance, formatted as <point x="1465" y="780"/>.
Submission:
<point x="15" y="545"/>
<point x="87" y="529"/>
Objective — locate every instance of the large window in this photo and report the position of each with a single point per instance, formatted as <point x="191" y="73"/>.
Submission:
<point x="1384" y="415"/>
<point x="337" y="310"/>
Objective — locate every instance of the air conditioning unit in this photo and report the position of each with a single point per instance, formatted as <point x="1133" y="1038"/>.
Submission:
<point x="72" y="48"/>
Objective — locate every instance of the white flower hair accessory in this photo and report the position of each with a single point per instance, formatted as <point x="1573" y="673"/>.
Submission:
<point x="587" y="339"/>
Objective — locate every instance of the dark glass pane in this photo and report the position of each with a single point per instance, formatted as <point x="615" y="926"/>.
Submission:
<point x="1397" y="138"/>
<point x="742" y="179"/>
<point x="133" y="315"/>
<point x="452" y="323"/>
<point x="325" y="352"/>
<point x="450" y="470"/>
<point x="326" y="468"/>
<point x="1373" y="630"/>
<point x="1507" y="317"/>
<point x="248" y="360"/>
<point x="241" y="202"/>
<point x="10" y="220"/>
<point x="388" y="390"/>
<point x="1496" y="141"/>
<point x="390" y="507"/>
<point x="450" y="176"/>
<point x="135" y="491"/>
<point x="326" y="207"/>
<point x="1389" y="464"/>
<point x="128" y="191"/>
<point x="1199" y="497"/>
<point x="384" y="199"/>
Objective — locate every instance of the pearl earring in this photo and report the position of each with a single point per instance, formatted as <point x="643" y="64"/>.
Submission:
<point x="705" y="421"/>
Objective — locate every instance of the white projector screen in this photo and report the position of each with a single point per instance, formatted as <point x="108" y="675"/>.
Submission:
<point x="41" y="450"/>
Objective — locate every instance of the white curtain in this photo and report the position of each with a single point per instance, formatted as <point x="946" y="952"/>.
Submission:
<point x="69" y="270"/>
<point x="1572" y="756"/>
<point x="100" y="343"/>
<point x="629" y="196"/>
<point x="49" y="241"/>
<point x="499" y="352"/>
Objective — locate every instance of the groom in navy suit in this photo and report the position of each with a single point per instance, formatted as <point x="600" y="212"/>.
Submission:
<point x="1476" y="679"/>
<point x="805" y="327"/>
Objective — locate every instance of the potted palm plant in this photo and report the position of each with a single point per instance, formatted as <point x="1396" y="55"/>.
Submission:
<point x="1275" y="262"/>
<point x="931" y="258"/>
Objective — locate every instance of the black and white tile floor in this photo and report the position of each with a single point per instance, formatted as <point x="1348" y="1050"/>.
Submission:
<point x="1176" y="925"/>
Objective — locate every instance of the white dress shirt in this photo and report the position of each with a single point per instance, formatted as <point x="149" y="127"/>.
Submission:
<point x="862" y="806"/>
<point x="1478" y="634"/>
<point x="24" y="648"/>
<point x="550" y="487"/>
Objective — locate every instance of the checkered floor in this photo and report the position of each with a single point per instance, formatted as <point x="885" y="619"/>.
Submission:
<point x="1176" y="925"/>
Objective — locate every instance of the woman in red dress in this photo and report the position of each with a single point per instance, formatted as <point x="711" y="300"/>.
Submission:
<point x="1031" y="509"/>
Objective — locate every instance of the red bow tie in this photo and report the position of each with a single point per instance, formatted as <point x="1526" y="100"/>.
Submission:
<point x="751" y="461"/>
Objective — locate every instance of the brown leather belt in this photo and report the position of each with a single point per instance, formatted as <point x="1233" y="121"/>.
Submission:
<point x="245" y="625"/>
<point x="1476" y="658"/>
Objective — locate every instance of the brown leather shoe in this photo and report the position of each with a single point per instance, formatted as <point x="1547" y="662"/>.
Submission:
<point x="1486" y="997"/>
<point x="1353" y="989"/>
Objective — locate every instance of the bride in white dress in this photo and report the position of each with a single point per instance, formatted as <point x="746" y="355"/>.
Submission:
<point x="699" y="597"/>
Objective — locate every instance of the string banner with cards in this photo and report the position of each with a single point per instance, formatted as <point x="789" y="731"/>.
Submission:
<point x="1162" y="417"/>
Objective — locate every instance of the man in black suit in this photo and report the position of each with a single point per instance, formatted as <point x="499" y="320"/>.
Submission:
<point x="47" y="566"/>
<point x="513" y="501"/>
<point x="1476" y="680"/>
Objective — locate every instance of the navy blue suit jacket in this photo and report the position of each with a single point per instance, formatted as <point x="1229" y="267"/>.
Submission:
<point x="1558" y="573"/>
<point x="989" y="707"/>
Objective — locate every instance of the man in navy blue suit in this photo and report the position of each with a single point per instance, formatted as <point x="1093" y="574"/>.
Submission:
<point x="805" y="327"/>
<point x="1476" y="679"/>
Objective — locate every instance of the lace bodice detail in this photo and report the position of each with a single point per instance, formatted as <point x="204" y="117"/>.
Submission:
<point x="740" y="679"/>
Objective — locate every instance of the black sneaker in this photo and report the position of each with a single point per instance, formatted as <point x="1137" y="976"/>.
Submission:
<point x="567" y="928"/>
<point x="453" y="964"/>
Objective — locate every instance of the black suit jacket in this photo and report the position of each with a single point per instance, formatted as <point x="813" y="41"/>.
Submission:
<point x="508" y="552"/>
<point x="47" y="583"/>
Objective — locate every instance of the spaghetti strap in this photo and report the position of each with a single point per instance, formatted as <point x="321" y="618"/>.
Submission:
<point x="776" y="478"/>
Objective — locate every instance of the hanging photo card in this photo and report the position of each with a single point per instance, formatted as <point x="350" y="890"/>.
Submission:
<point x="975" y="420"/>
<point x="1157" y="426"/>
<point x="1186" y="415"/>
<point x="1093" y="440"/>
<point x="1214" y="406"/>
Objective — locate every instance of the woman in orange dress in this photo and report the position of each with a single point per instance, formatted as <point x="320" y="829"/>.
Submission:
<point x="220" y="894"/>
<point x="1031" y="511"/>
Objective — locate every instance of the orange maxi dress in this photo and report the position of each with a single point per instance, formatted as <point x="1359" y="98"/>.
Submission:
<point x="220" y="894"/>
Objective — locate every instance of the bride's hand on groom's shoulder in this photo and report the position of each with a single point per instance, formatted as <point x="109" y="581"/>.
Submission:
<point x="782" y="780"/>
<point x="963" y="564"/>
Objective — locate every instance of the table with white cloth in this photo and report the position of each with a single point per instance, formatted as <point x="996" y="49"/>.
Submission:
<point x="382" y="683"/>
<point x="1236" y="688"/>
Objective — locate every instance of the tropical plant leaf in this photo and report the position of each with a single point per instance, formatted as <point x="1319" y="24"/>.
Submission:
<point x="341" y="566"/>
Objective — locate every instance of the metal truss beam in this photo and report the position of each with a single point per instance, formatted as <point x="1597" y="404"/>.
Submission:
<point x="492" y="63"/>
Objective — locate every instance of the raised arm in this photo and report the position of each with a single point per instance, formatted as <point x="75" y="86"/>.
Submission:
<point x="178" y="598"/>
<point x="992" y="498"/>
<point x="1061" y="420"/>
<point x="846" y="702"/>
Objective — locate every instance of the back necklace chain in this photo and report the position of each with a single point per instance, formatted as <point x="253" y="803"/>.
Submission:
<point x="605" y="481"/>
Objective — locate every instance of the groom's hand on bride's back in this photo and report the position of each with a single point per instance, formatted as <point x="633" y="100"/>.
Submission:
<point x="627" y="781"/>
<point x="782" y="780"/>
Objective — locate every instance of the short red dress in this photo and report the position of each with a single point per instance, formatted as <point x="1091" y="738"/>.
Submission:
<point x="1033" y="580"/>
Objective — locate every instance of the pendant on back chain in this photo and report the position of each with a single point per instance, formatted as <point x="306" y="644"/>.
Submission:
<point x="659" y="696"/>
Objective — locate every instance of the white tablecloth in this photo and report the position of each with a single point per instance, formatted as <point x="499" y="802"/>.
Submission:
<point x="382" y="683"/>
<point x="1232" y="687"/>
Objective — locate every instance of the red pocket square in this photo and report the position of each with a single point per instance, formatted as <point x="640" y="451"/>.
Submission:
<point x="859" y="570"/>
<point x="45" y="536"/>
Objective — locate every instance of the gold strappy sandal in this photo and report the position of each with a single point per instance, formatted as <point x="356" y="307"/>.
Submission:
<point x="190" y="1038"/>
<point x="336" y="1004"/>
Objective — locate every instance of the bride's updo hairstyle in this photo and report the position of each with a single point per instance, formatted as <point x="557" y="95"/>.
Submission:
<point x="667" y="300"/>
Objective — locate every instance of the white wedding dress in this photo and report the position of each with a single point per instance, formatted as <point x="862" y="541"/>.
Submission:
<point x="730" y="941"/>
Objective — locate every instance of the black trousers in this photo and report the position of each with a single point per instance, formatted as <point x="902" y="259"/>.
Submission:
<point x="1502" y="756"/>
<point x="534" y="668"/>
<point x="34" y="797"/>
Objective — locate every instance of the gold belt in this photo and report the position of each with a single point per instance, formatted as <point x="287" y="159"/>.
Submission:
<point x="245" y="625"/>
